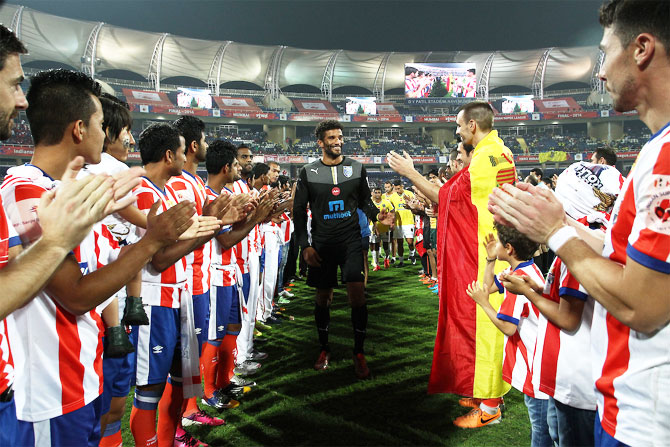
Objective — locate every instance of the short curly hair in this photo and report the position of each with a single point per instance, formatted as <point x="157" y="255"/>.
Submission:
<point x="524" y="247"/>
<point x="325" y="126"/>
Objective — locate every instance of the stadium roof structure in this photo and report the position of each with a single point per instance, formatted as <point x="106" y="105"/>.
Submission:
<point x="97" y="47"/>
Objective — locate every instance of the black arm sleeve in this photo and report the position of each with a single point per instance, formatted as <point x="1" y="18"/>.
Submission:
<point x="365" y="200"/>
<point x="300" y="210"/>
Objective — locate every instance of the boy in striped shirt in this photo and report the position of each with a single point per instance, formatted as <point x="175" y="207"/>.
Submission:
<point x="517" y="318"/>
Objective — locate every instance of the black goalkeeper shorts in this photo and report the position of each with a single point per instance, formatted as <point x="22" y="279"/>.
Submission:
<point x="348" y="256"/>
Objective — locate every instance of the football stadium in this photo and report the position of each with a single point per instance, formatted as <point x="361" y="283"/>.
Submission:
<point x="489" y="228"/>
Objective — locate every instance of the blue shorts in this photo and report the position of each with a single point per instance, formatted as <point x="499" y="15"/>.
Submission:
<point x="602" y="438"/>
<point x="201" y="317"/>
<point x="80" y="427"/>
<point x="246" y="284"/>
<point x="225" y="310"/>
<point x="9" y="424"/>
<point x="158" y="346"/>
<point x="118" y="374"/>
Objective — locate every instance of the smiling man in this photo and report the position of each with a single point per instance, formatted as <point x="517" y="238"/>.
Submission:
<point x="334" y="187"/>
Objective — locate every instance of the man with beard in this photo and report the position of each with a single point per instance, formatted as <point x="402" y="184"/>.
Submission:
<point x="248" y="260"/>
<point x="627" y="272"/>
<point x="334" y="187"/>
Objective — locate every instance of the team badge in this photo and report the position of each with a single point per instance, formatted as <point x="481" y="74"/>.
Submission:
<point x="348" y="171"/>
<point x="335" y="191"/>
<point x="658" y="217"/>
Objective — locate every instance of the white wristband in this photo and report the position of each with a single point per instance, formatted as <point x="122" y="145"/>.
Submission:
<point x="563" y="235"/>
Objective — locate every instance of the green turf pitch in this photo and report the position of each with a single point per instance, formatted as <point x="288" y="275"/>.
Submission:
<point x="295" y="405"/>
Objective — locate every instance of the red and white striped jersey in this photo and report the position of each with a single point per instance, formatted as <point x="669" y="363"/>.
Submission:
<point x="191" y="187"/>
<point x="563" y="359"/>
<point x="8" y="239"/>
<point x="632" y="369"/>
<point x="119" y="227"/>
<point x="159" y="288"/>
<point x="244" y="246"/>
<point x="58" y="355"/>
<point x="519" y="350"/>
<point x="223" y="261"/>
<point x="285" y="229"/>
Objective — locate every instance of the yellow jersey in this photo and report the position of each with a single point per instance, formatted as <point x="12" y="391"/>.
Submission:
<point x="403" y="215"/>
<point x="388" y="206"/>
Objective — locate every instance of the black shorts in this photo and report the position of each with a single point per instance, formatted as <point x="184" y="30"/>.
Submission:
<point x="365" y="243"/>
<point x="348" y="256"/>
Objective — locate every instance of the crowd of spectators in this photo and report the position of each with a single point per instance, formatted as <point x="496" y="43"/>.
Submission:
<point x="573" y="142"/>
<point x="21" y="135"/>
<point x="415" y="144"/>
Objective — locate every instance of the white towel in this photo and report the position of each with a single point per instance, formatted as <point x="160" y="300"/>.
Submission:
<point x="190" y="360"/>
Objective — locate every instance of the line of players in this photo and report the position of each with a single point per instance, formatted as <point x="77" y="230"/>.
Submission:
<point x="181" y="266"/>
<point x="416" y="221"/>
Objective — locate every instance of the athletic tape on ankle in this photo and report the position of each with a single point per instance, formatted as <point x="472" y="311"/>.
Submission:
<point x="563" y="235"/>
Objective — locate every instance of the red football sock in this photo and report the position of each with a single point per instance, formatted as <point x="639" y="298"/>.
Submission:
<point x="143" y="427"/>
<point x="169" y="413"/>
<point x="226" y="360"/>
<point x="190" y="407"/>
<point x="113" y="440"/>
<point x="491" y="402"/>
<point x="210" y="366"/>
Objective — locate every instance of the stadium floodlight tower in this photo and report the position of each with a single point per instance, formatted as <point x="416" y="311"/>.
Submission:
<point x="16" y="21"/>
<point x="89" y="60"/>
<point x="156" y="63"/>
<point x="214" y="77"/>
<point x="380" y="77"/>
<point x="328" y="72"/>
<point x="272" y="74"/>
<point x="483" y="84"/>
<point x="538" y="77"/>
<point x="597" y="85"/>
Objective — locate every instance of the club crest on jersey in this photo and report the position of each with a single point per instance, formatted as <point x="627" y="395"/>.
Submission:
<point x="335" y="191"/>
<point x="348" y="171"/>
<point x="658" y="218"/>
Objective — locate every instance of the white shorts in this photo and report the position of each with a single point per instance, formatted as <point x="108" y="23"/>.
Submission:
<point x="383" y="237"/>
<point x="404" y="231"/>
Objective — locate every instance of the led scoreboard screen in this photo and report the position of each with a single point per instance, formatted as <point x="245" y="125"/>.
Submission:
<point x="440" y="80"/>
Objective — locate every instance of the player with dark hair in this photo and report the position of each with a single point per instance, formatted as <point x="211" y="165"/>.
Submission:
<point x="381" y="233"/>
<point x="188" y="186"/>
<point x="245" y="158"/>
<point x="404" y="228"/>
<point x="64" y="220"/>
<point x="12" y="99"/>
<point x="118" y="365"/>
<point x="166" y="293"/>
<point x="627" y="273"/>
<point x="67" y="312"/>
<point x="73" y="94"/>
<point x="604" y="156"/>
<point x="225" y="322"/>
<point x="334" y="187"/>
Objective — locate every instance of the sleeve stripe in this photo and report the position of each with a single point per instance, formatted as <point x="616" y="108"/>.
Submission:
<point x="14" y="241"/>
<point x="647" y="261"/>
<point x="501" y="289"/>
<point x="567" y="291"/>
<point x="508" y="318"/>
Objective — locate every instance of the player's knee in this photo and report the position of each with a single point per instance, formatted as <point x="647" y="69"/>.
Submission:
<point x="155" y="387"/>
<point x="116" y="409"/>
